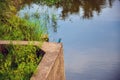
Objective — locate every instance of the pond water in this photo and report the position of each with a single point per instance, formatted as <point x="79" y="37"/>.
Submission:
<point x="90" y="33"/>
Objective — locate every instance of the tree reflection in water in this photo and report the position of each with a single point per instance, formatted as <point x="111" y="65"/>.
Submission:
<point x="87" y="6"/>
<point x="73" y="6"/>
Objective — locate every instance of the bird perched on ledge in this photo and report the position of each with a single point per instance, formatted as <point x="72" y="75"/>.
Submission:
<point x="59" y="40"/>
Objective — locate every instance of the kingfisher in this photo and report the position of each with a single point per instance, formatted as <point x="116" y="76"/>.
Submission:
<point x="59" y="40"/>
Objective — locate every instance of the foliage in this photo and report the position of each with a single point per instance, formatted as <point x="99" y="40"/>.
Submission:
<point x="19" y="63"/>
<point x="7" y="8"/>
<point x="48" y="2"/>
<point x="16" y="28"/>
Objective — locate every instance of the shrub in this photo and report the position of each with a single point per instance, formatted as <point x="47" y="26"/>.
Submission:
<point x="19" y="63"/>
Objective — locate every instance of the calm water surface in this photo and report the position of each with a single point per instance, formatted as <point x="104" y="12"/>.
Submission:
<point x="91" y="47"/>
<point x="91" y="37"/>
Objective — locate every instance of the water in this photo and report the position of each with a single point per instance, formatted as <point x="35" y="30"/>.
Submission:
<point x="91" y="39"/>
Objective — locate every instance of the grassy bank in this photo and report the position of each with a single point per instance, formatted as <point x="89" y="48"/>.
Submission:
<point x="18" y="62"/>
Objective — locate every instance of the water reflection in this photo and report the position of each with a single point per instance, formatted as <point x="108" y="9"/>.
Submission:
<point x="51" y="14"/>
<point x="87" y="7"/>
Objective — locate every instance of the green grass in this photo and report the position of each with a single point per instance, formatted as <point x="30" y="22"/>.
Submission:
<point x="17" y="28"/>
<point x="18" y="62"/>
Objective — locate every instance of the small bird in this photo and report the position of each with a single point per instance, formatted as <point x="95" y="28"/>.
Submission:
<point x="59" y="40"/>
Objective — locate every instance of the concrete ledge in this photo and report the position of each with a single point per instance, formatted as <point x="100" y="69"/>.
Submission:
<point x="51" y="66"/>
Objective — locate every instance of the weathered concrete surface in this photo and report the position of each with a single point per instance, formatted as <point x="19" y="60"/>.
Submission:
<point x="57" y="71"/>
<point x="36" y="43"/>
<point x="51" y="66"/>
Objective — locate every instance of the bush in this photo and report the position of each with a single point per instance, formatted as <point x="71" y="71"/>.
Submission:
<point x="19" y="63"/>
